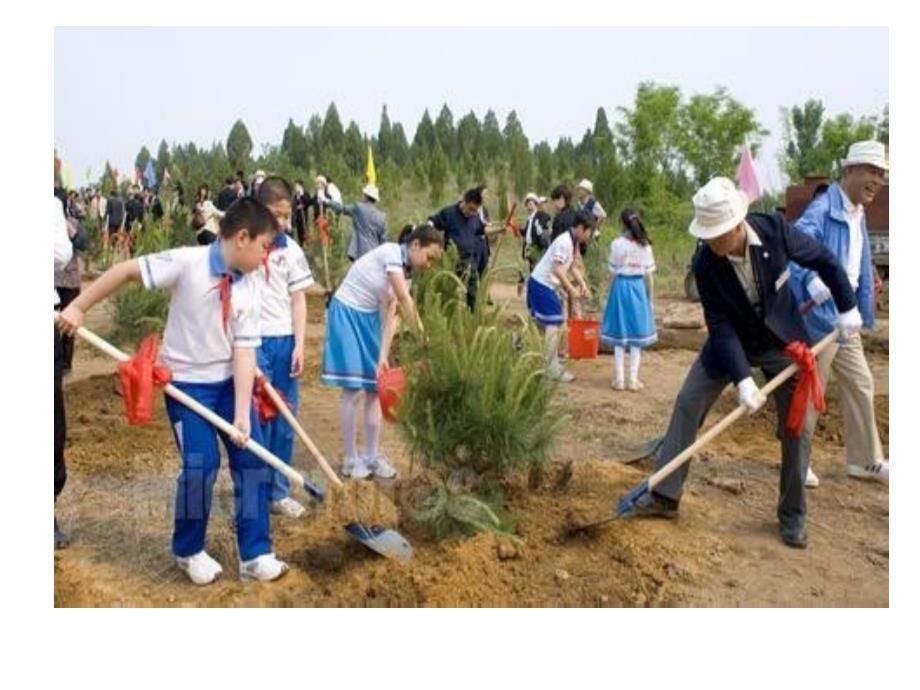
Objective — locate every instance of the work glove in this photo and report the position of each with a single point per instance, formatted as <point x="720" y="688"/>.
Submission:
<point x="849" y="323"/>
<point x="750" y="396"/>
<point x="818" y="291"/>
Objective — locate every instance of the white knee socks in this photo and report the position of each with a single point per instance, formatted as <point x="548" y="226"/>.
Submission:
<point x="348" y="419"/>
<point x="619" y="360"/>
<point x="635" y="356"/>
<point x="372" y="425"/>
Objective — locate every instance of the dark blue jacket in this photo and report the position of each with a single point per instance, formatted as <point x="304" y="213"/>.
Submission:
<point x="468" y="233"/>
<point x="736" y="330"/>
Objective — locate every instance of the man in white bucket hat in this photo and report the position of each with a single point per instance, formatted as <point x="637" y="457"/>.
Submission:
<point x="838" y="221"/>
<point x="584" y="191"/>
<point x="743" y="277"/>
<point x="368" y="221"/>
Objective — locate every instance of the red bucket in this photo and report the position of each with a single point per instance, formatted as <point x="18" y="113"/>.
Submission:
<point x="584" y="338"/>
<point x="390" y="385"/>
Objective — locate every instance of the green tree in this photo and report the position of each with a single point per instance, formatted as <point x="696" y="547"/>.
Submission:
<point x="333" y="136"/>
<point x="355" y="153"/>
<point x="802" y="131"/>
<point x="437" y="174"/>
<point x="162" y="159"/>
<point x="445" y="133"/>
<point x="882" y="133"/>
<point x="838" y="134"/>
<point x="401" y="155"/>
<point x="712" y="128"/>
<point x="294" y="145"/>
<point x="491" y="139"/>
<point x="648" y="136"/>
<point x="543" y="154"/>
<point x="141" y="160"/>
<point x="469" y="132"/>
<point x="384" y="137"/>
<point x="239" y="146"/>
<point x="424" y="140"/>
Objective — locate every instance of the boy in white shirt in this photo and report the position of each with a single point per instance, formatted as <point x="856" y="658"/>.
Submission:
<point x="551" y="273"/>
<point x="209" y="345"/>
<point x="285" y="277"/>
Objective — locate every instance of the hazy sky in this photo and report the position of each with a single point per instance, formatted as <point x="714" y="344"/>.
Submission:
<point x="116" y="90"/>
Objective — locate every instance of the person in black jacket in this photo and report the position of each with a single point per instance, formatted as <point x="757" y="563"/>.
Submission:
<point x="743" y="278"/>
<point x="227" y="195"/>
<point x="463" y="226"/>
<point x="535" y="233"/>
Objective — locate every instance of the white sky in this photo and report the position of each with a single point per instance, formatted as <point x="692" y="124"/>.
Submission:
<point x="191" y="84"/>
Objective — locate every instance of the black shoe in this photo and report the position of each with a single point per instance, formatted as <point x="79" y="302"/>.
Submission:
<point x="655" y="505"/>
<point x="796" y="537"/>
<point x="61" y="540"/>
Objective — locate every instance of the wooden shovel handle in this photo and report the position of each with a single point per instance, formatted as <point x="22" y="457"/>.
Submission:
<point x="731" y="417"/>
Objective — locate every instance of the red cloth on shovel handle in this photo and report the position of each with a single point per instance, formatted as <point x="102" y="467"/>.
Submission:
<point x="265" y="406"/>
<point x="322" y="224"/>
<point x="807" y="390"/>
<point x="138" y="376"/>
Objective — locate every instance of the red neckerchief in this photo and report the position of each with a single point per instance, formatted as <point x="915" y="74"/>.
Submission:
<point x="223" y="288"/>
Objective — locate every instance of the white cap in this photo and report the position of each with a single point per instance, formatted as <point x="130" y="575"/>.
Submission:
<point x="371" y="191"/>
<point x="866" y="153"/>
<point x="718" y="207"/>
<point x="320" y="179"/>
<point x="536" y="199"/>
<point x="587" y="185"/>
<point x="259" y="173"/>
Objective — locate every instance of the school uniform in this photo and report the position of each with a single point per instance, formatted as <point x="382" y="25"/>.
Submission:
<point x="285" y="273"/>
<point x="542" y="299"/>
<point x="212" y="311"/>
<point x="63" y="252"/>
<point x="628" y="317"/>
<point x="354" y="329"/>
<point x="536" y="237"/>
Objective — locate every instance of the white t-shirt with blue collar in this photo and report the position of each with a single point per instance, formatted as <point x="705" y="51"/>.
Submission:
<point x="196" y="346"/>
<point x="286" y="272"/>
<point x="367" y="286"/>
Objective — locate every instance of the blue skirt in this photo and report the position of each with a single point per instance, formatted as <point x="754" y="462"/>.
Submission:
<point x="544" y="304"/>
<point x="352" y="347"/>
<point x="628" y="319"/>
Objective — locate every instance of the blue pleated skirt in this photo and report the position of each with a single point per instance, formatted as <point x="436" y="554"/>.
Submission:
<point x="628" y="319"/>
<point x="352" y="347"/>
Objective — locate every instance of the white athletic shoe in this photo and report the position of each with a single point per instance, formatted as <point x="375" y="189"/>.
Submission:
<point x="264" y="568"/>
<point x="636" y="385"/>
<point x="877" y="472"/>
<point x="617" y="385"/>
<point x="811" y="480"/>
<point x="381" y="467"/>
<point x="288" y="507"/>
<point x="356" y="468"/>
<point x="200" y="568"/>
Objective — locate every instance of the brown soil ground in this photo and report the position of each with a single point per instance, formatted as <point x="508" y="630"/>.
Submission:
<point x="723" y="551"/>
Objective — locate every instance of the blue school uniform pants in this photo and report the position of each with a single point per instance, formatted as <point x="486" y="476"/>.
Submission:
<point x="274" y="358"/>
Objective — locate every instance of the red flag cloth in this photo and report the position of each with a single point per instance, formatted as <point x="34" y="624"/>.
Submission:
<point x="138" y="376"/>
<point x="516" y="229"/>
<point x="265" y="406"/>
<point x="224" y="290"/>
<point x="746" y="178"/>
<point x="322" y="224"/>
<point x="809" y="387"/>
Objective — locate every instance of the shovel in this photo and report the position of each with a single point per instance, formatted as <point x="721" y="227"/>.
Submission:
<point x="386" y="542"/>
<point x="222" y="424"/>
<point x="650" y="447"/>
<point x="627" y="503"/>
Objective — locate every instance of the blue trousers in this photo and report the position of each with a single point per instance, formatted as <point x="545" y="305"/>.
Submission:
<point x="197" y="441"/>
<point x="274" y="358"/>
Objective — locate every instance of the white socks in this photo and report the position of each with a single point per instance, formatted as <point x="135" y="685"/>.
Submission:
<point x="619" y="360"/>
<point x="348" y="418"/>
<point x="372" y="425"/>
<point x="551" y="347"/>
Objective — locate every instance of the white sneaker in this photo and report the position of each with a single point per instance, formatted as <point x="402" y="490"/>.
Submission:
<point x="264" y="568"/>
<point x="811" y="480"/>
<point x="200" y="568"/>
<point x="877" y="472"/>
<point x="558" y="373"/>
<point x="617" y="385"/>
<point x="381" y="467"/>
<point x="636" y="385"/>
<point x="356" y="468"/>
<point x="288" y="507"/>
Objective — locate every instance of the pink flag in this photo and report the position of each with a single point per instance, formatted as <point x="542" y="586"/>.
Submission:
<point x="746" y="178"/>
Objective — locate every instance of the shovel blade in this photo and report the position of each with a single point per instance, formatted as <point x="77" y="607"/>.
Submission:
<point x="386" y="542"/>
<point x="314" y="490"/>
<point x="647" y="449"/>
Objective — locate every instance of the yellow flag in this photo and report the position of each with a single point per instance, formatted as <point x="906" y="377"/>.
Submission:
<point x="67" y="176"/>
<point x="371" y="171"/>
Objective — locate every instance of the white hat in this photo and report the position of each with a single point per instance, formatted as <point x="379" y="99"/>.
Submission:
<point x="866" y="153"/>
<point x="259" y="173"/>
<point x="536" y="199"/>
<point x="718" y="207"/>
<point x="371" y="191"/>
<point x="320" y="179"/>
<point x="587" y="185"/>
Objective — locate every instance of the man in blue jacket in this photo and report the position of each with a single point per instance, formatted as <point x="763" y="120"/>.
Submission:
<point x="742" y="273"/>
<point x="837" y="220"/>
<point x="463" y="226"/>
